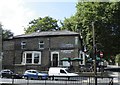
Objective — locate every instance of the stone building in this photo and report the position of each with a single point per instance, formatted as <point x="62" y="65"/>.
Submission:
<point x="40" y="50"/>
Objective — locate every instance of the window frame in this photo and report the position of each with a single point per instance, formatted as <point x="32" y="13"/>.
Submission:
<point x="24" y="57"/>
<point x="23" y="45"/>
<point x="76" y="40"/>
<point x="28" y="58"/>
<point x="41" y="42"/>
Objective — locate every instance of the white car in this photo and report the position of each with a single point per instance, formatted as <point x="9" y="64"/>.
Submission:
<point x="34" y="74"/>
<point x="61" y="73"/>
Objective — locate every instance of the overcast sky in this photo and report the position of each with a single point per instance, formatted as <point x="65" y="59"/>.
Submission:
<point x="16" y="14"/>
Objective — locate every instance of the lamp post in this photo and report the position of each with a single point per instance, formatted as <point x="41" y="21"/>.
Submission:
<point x="94" y="53"/>
<point x="0" y="46"/>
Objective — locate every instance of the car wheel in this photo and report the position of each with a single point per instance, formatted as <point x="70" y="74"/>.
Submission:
<point x="26" y="77"/>
<point x="56" y="79"/>
<point x="40" y="77"/>
<point x="31" y="78"/>
<point x="1" y="76"/>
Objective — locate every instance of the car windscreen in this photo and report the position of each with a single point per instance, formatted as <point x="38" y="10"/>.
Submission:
<point x="62" y="71"/>
<point x="68" y="71"/>
<point x="7" y="71"/>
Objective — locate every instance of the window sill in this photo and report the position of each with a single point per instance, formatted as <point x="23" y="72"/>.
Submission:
<point x="41" y="48"/>
<point x="27" y="64"/>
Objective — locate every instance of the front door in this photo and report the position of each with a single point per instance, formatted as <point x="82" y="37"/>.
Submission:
<point x="55" y="59"/>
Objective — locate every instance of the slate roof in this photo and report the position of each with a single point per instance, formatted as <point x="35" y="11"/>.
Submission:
<point x="47" y="33"/>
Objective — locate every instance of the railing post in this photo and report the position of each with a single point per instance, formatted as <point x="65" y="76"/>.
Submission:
<point x="45" y="81"/>
<point x="53" y="77"/>
<point x="27" y="80"/>
<point x="12" y="79"/>
<point x="89" y="80"/>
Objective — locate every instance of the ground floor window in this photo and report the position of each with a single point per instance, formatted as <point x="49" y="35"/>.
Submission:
<point x="66" y="63"/>
<point x="31" y="57"/>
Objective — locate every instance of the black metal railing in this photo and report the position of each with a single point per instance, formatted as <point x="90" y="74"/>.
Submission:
<point x="61" y="80"/>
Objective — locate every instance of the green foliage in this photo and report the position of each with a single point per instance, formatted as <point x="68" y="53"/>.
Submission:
<point x="102" y="15"/>
<point x="105" y="16"/>
<point x="69" y="24"/>
<point x="42" y="24"/>
<point x="6" y="34"/>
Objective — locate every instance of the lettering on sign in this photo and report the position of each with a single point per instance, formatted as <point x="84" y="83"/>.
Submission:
<point x="67" y="51"/>
<point x="67" y="45"/>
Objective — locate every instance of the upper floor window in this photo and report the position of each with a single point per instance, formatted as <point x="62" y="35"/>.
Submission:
<point x="41" y="45"/>
<point x="31" y="57"/>
<point x="23" y="45"/>
<point x="76" y="40"/>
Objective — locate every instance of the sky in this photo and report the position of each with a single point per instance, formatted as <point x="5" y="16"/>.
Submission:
<point x="16" y="14"/>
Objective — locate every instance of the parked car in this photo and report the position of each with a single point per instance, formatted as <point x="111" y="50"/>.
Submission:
<point x="61" y="73"/>
<point x="34" y="74"/>
<point x="6" y="73"/>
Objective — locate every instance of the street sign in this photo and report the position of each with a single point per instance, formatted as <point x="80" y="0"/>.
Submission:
<point x="101" y="54"/>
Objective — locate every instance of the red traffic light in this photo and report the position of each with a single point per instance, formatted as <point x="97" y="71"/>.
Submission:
<point x="101" y="54"/>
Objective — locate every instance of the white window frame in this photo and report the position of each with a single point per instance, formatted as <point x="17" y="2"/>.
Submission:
<point x="23" y="45"/>
<point x="76" y="40"/>
<point x="32" y="52"/>
<point x="41" y="44"/>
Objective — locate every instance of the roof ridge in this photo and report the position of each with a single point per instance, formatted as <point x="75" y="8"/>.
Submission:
<point x="47" y="33"/>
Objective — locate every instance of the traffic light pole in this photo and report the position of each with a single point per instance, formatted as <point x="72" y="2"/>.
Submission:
<point x="94" y="53"/>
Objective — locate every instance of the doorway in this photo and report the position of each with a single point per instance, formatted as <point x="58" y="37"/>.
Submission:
<point x="55" y="59"/>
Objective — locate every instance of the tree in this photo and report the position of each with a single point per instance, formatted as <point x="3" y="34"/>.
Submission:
<point x="105" y="16"/>
<point x="70" y="24"/>
<point x="7" y="34"/>
<point x="42" y="24"/>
